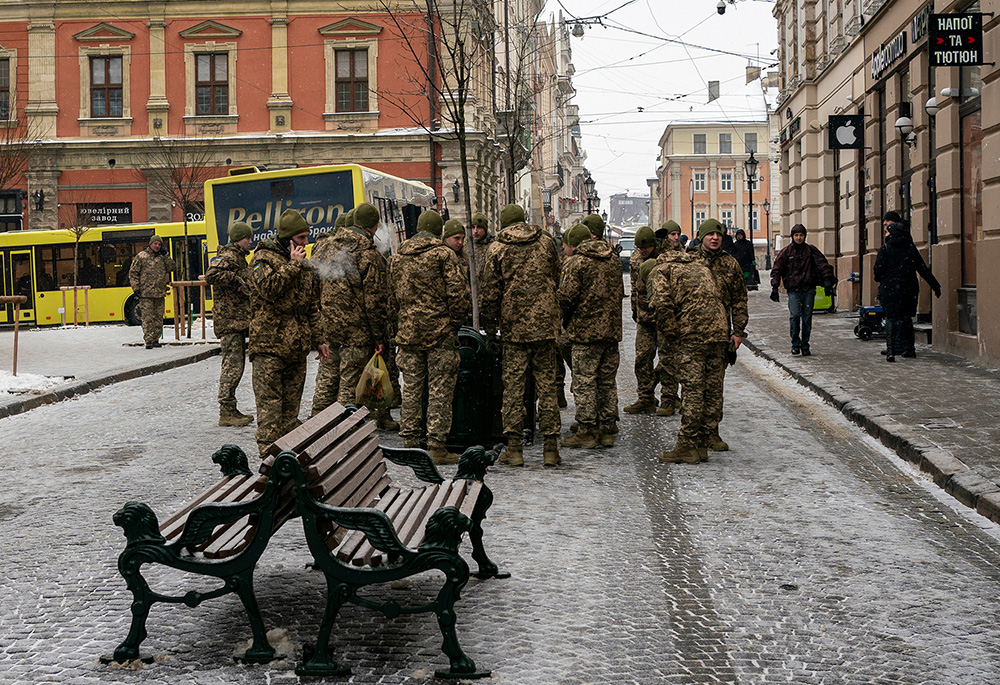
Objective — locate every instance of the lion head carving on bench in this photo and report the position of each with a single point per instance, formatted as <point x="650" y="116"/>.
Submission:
<point x="445" y="528"/>
<point x="139" y="523"/>
<point x="232" y="461"/>
<point x="475" y="461"/>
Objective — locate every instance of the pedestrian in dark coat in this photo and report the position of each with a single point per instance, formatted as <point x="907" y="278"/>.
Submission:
<point x="742" y="252"/>
<point x="802" y="267"/>
<point x="896" y="268"/>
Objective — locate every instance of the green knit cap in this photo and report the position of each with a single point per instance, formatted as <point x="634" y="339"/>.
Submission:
<point x="349" y="219"/>
<point x="576" y="235"/>
<point x="646" y="268"/>
<point x="595" y="223"/>
<point x="366" y="216"/>
<point x="239" y="231"/>
<point x="644" y="237"/>
<point x="155" y="238"/>
<point x="341" y="221"/>
<point x="671" y="226"/>
<point x="511" y="214"/>
<point x="291" y="224"/>
<point x="452" y="227"/>
<point x="710" y="226"/>
<point x="479" y="219"/>
<point x="430" y="222"/>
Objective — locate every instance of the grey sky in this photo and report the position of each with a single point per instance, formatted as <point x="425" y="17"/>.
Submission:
<point x="619" y="70"/>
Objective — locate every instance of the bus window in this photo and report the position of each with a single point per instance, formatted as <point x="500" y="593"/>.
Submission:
<point x="20" y="273"/>
<point x="116" y="260"/>
<point x="54" y="266"/>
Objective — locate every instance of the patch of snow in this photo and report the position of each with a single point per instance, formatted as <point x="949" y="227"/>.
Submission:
<point x="27" y="382"/>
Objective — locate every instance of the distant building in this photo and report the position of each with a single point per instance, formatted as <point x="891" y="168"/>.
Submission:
<point x="629" y="210"/>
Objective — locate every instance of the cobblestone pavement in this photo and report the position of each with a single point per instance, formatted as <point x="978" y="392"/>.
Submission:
<point x="807" y="554"/>
<point x="937" y="410"/>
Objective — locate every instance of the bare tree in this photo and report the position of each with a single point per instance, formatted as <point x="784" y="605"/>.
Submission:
<point x="175" y="171"/>
<point x="18" y="142"/>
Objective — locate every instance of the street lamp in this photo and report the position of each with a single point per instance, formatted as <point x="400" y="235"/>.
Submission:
<point x="751" y="168"/>
<point x="588" y="190"/>
<point x="767" y="211"/>
<point x="691" y="198"/>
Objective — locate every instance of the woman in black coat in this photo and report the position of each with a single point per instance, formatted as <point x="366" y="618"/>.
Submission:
<point x="896" y="269"/>
<point x="742" y="252"/>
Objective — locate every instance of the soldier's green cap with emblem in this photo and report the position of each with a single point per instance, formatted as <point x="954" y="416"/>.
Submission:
<point x="644" y="237"/>
<point x="479" y="219"/>
<point x="430" y="222"/>
<point x="671" y="226"/>
<point x="595" y="223"/>
<point x="154" y="239"/>
<point x="646" y="267"/>
<point x="710" y="226"/>
<point x="366" y="216"/>
<point x="576" y="235"/>
<point x="511" y="214"/>
<point x="239" y="231"/>
<point x="291" y="224"/>
<point x="452" y="227"/>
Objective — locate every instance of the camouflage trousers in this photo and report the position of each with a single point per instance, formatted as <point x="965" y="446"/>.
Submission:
<point x="564" y="354"/>
<point x="595" y="367"/>
<point x="702" y="372"/>
<point x="538" y="359"/>
<point x="151" y="312"/>
<point x="338" y="377"/>
<point x="234" y="357"/>
<point x="650" y="371"/>
<point x="277" y="389"/>
<point x="433" y="372"/>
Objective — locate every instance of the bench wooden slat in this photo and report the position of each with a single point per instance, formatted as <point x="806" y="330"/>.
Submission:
<point x="302" y="436"/>
<point x="362" y="465"/>
<point x="405" y="528"/>
<point x="331" y="460"/>
<point x="464" y="496"/>
<point x="368" y="555"/>
<point x="394" y="499"/>
<point x="229" y="540"/>
<point x="239" y="489"/>
<point x="224" y="484"/>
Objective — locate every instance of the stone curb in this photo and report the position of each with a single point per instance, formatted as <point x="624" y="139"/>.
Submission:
<point x="949" y="473"/>
<point x="83" y="386"/>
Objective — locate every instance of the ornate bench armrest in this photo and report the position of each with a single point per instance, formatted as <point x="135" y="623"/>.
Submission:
<point x="417" y="459"/>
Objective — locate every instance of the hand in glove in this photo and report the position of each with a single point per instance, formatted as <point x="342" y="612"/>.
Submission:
<point x="774" y="294"/>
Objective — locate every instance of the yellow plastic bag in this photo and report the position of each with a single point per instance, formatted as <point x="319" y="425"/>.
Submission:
<point x="374" y="389"/>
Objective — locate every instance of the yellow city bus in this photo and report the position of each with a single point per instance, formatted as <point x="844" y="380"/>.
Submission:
<point x="319" y="193"/>
<point x="37" y="263"/>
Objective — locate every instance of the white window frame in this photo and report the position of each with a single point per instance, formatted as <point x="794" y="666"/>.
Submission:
<point x="725" y="181"/>
<point x="747" y="148"/>
<point x="105" y="50"/>
<point x="756" y="222"/>
<point x="190" y="85"/>
<point x="700" y="215"/>
<point x="694" y="142"/>
<point x="726" y="218"/>
<point x="11" y="56"/>
<point x="330" y="48"/>
<point x="728" y="137"/>
<point x="700" y="181"/>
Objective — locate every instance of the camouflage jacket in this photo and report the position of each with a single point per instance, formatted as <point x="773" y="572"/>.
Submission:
<point x="641" y="298"/>
<point x="519" y="285"/>
<point x="429" y="291"/>
<point x="634" y="262"/>
<point x="284" y="304"/>
<point x="150" y="273"/>
<point x="591" y="293"/>
<point x="229" y="277"/>
<point x="686" y="301"/>
<point x="732" y="287"/>
<point x="480" y="248"/>
<point x="355" y="297"/>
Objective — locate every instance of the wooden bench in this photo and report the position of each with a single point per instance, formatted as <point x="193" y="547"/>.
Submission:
<point x="332" y="468"/>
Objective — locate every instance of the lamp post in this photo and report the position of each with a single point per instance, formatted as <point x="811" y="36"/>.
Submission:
<point x="588" y="190"/>
<point x="750" y="166"/>
<point x="767" y="211"/>
<point x="691" y="198"/>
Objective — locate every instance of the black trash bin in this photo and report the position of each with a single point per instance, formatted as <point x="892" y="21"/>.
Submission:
<point x="478" y="393"/>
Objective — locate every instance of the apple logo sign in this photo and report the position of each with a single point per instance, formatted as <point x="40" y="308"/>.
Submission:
<point x="846" y="135"/>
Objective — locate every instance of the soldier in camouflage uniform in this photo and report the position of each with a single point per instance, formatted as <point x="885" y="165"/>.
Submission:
<point x="284" y="325"/>
<point x="666" y="366"/>
<point x="645" y="331"/>
<point x="480" y="227"/>
<point x="229" y="277"/>
<point x="519" y="297"/>
<point x="691" y="317"/>
<point x="590" y="297"/>
<point x="355" y="305"/>
<point x="149" y="277"/>
<point x="430" y="295"/>
<point x="596" y="225"/>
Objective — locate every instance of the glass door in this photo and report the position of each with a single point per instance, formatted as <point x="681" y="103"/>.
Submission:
<point x="22" y="282"/>
<point x="6" y="311"/>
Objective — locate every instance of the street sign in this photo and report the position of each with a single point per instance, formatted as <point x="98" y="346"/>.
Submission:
<point x="955" y="40"/>
<point x="846" y="131"/>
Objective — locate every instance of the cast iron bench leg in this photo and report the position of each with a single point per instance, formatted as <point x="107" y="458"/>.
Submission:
<point x="319" y="663"/>
<point x="487" y="569"/>
<point x="457" y="574"/>
<point x="261" y="651"/>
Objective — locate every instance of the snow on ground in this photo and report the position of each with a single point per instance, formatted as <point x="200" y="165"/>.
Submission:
<point x="27" y="382"/>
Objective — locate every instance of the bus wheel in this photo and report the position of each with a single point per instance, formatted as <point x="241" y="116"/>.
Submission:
<point x="132" y="315"/>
